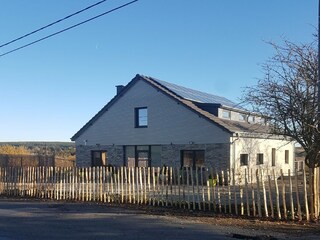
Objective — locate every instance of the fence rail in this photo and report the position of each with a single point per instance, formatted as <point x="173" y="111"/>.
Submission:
<point x="251" y="194"/>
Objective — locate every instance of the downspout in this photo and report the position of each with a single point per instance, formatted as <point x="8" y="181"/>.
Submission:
<point x="233" y="165"/>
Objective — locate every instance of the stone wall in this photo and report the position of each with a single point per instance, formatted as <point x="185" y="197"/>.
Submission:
<point x="114" y="155"/>
<point x="216" y="155"/>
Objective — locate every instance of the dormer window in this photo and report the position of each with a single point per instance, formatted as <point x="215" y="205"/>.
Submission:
<point x="242" y="117"/>
<point x="226" y="114"/>
<point x="251" y="119"/>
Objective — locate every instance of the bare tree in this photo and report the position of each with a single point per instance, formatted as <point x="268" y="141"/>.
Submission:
<point x="287" y="96"/>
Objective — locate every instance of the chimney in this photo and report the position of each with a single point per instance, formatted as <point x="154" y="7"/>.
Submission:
<point x="119" y="88"/>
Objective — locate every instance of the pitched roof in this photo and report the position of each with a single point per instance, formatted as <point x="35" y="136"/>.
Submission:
<point x="186" y="97"/>
<point x="196" y="96"/>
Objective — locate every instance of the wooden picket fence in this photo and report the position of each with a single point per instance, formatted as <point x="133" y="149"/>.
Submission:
<point x="252" y="194"/>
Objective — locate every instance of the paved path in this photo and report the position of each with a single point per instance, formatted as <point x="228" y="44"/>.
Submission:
<point x="49" y="220"/>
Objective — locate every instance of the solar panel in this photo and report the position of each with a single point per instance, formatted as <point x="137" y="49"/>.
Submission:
<point x="195" y="95"/>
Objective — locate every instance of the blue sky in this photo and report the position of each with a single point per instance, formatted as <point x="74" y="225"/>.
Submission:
<point x="51" y="89"/>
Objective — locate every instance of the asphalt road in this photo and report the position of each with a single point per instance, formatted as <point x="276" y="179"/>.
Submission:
<point x="51" y="220"/>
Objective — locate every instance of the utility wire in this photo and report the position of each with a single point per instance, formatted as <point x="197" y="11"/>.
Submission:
<point x="53" y="23"/>
<point x="66" y="29"/>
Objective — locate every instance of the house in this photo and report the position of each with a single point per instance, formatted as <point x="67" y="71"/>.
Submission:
<point x="154" y="123"/>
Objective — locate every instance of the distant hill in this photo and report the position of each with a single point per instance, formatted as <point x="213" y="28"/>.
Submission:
<point x="39" y="144"/>
<point x="63" y="149"/>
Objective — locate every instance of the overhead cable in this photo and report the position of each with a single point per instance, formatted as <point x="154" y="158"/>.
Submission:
<point x="51" y="24"/>
<point x="66" y="29"/>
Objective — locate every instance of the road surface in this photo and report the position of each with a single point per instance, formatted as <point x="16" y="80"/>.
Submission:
<point x="31" y="219"/>
<point x="50" y="220"/>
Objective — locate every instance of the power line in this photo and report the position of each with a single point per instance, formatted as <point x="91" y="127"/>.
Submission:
<point x="66" y="29"/>
<point x="53" y="23"/>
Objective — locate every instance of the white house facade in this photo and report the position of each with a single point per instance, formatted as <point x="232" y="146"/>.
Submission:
<point x="155" y="123"/>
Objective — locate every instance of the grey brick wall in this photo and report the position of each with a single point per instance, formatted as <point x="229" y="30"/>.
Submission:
<point x="216" y="155"/>
<point x="114" y="155"/>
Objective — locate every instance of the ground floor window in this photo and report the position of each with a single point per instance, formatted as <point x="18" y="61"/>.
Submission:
<point x="99" y="158"/>
<point x="259" y="158"/>
<point x="273" y="157"/>
<point x="142" y="156"/>
<point x="192" y="158"/>
<point x="286" y="156"/>
<point x="244" y="159"/>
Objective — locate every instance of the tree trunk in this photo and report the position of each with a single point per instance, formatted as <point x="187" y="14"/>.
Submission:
<point x="311" y="193"/>
<point x="316" y="192"/>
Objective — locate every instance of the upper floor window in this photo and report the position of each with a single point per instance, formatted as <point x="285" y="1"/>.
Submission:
<point x="226" y="114"/>
<point x="242" y="117"/>
<point x="141" y="117"/>
<point x="251" y="119"/>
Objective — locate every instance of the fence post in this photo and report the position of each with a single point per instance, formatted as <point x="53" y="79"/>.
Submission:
<point x="229" y="191"/>
<point x="283" y="195"/>
<point x="183" y="188"/>
<point x="291" y="198"/>
<point x="188" y="187"/>
<point x="258" y="194"/>
<point x="224" y="192"/>
<point x="149" y="185"/>
<point x="171" y="194"/>
<point x="129" y="185"/>
<point x="234" y="191"/>
<point x="270" y="196"/>
<point x="277" y="194"/>
<point x="202" y="189"/>
<point x="178" y="175"/>
<point x="305" y="194"/>
<point x="208" y="189"/>
<point x="264" y="194"/>
<point x="192" y="183"/>
<point x="137" y="185"/>
<point x="219" y="194"/>
<point x="126" y="183"/>
<point x="144" y="169"/>
<point x="213" y="191"/>
<point x="297" y="196"/>
<point x="133" y="185"/>
<point x="154" y="186"/>
<point x="198" y="189"/>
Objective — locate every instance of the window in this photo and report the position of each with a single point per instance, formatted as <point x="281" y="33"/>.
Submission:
<point x="192" y="158"/>
<point x="242" y="117"/>
<point x="130" y="158"/>
<point x="99" y="158"/>
<point x="226" y="114"/>
<point x="286" y="156"/>
<point x="142" y="156"/>
<point x="261" y="120"/>
<point x="244" y="159"/>
<point x="141" y="117"/>
<point x="273" y="157"/>
<point x="259" y="158"/>
<point x="251" y="119"/>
